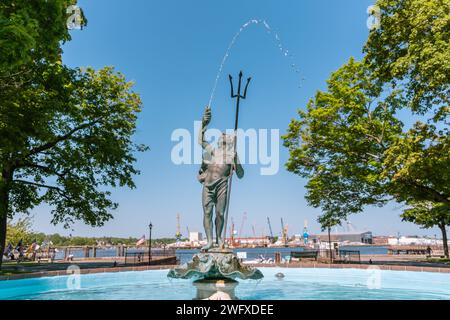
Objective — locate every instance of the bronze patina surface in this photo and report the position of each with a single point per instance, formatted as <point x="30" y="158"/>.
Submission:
<point x="215" y="265"/>
<point x="216" y="262"/>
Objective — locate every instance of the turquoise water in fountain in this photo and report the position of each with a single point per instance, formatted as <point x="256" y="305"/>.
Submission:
<point x="302" y="283"/>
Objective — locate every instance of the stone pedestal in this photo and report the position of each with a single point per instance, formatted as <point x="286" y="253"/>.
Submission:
<point x="216" y="289"/>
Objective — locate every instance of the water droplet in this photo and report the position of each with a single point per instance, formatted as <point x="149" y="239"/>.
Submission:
<point x="234" y="39"/>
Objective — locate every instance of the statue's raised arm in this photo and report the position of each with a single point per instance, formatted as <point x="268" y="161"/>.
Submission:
<point x="201" y="135"/>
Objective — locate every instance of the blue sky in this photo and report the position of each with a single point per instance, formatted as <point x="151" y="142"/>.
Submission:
<point x="172" y="50"/>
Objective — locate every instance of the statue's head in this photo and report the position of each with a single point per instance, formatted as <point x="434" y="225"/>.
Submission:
<point x="225" y="149"/>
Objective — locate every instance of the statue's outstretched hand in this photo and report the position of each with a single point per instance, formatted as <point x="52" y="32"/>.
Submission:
<point x="206" y="116"/>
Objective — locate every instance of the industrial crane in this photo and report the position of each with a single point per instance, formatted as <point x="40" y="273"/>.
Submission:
<point x="232" y="232"/>
<point x="284" y="231"/>
<point x="244" y="217"/>
<point x="350" y="227"/>
<point x="178" y="234"/>
<point x="271" y="238"/>
<point x="305" y="233"/>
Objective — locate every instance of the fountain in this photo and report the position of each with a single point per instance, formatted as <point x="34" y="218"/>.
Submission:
<point x="216" y="267"/>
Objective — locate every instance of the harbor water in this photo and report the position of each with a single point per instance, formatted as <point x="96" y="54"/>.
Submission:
<point x="184" y="255"/>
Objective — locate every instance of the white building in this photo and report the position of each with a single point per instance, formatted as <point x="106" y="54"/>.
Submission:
<point x="350" y="236"/>
<point x="195" y="237"/>
<point x="414" y="241"/>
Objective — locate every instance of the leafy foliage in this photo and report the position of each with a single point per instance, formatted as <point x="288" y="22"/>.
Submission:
<point x="427" y="214"/>
<point x="430" y="214"/>
<point x="59" y="240"/>
<point x="65" y="134"/>
<point x="340" y="141"/>
<point x="418" y="165"/>
<point x="350" y="143"/>
<point x="20" y="230"/>
<point x="69" y="141"/>
<point x="412" y="48"/>
<point x="31" y="31"/>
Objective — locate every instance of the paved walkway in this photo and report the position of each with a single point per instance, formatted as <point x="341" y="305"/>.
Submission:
<point x="358" y="266"/>
<point x="402" y="260"/>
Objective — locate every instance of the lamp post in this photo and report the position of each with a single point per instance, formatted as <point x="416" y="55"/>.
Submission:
<point x="150" y="226"/>
<point x="329" y="244"/>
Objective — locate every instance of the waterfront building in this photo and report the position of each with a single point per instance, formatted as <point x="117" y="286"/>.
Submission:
<point x="364" y="237"/>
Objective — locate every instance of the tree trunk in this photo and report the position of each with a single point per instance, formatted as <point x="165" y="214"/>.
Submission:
<point x="4" y="201"/>
<point x="444" y="239"/>
<point x="3" y="222"/>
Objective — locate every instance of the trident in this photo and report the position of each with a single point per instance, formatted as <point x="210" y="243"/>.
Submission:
<point x="238" y="97"/>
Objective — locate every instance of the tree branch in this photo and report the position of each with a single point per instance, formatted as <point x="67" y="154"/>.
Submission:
<point x="437" y="196"/>
<point x="48" y="170"/>
<point x="59" y="139"/>
<point x="40" y="185"/>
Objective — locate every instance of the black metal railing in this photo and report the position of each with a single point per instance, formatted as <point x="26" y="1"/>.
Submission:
<point x="327" y="255"/>
<point x="350" y="256"/>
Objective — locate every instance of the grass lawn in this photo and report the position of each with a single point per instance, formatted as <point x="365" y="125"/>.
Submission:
<point x="22" y="263"/>
<point x="11" y="272"/>
<point x="12" y="267"/>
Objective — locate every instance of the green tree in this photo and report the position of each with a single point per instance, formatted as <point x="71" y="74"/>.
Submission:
<point x="349" y="142"/>
<point x="20" y="230"/>
<point x="57" y="239"/>
<point x="65" y="134"/>
<point x="428" y="215"/>
<point x="411" y="48"/>
<point x="31" y="30"/>
<point x="40" y="237"/>
<point x="339" y="142"/>
<point x="418" y="165"/>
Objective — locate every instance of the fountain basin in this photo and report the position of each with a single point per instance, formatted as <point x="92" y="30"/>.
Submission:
<point x="298" y="284"/>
